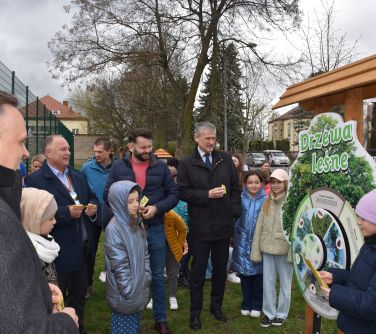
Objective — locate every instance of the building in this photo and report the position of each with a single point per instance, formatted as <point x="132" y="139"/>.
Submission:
<point x="75" y="122"/>
<point x="288" y="126"/>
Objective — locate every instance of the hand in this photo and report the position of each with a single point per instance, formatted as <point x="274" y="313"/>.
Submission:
<point x="185" y="247"/>
<point x="326" y="276"/>
<point x="149" y="212"/>
<point x="216" y="192"/>
<point x="75" y="212"/>
<point x="55" y="293"/>
<point x="325" y="291"/>
<point x="91" y="210"/>
<point x="72" y="313"/>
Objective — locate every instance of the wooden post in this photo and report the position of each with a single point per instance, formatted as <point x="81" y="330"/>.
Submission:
<point x="312" y="321"/>
<point x="353" y="106"/>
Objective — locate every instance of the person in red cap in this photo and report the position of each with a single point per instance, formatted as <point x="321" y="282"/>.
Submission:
<point x="353" y="292"/>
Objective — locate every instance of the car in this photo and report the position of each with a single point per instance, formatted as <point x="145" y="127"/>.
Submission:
<point x="276" y="158"/>
<point x="254" y="159"/>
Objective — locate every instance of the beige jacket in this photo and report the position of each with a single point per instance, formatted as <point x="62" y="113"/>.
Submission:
<point x="269" y="237"/>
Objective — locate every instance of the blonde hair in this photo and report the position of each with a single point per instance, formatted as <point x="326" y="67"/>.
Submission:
<point x="266" y="205"/>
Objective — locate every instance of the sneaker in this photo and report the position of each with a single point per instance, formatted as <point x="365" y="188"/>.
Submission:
<point x="102" y="276"/>
<point x="244" y="312"/>
<point x="255" y="314"/>
<point x="233" y="278"/>
<point x="149" y="306"/>
<point x="266" y="322"/>
<point x="173" y="304"/>
<point x="278" y="322"/>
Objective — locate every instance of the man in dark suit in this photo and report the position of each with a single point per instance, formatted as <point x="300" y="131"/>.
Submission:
<point x="77" y="207"/>
<point x="209" y="183"/>
<point x="25" y="302"/>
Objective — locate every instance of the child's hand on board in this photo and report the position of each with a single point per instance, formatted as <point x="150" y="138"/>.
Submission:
<point x="325" y="291"/>
<point x="326" y="276"/>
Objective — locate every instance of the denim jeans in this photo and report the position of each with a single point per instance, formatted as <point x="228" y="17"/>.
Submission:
<point x="252" y="292"/>
<point x="157" y="251"/>
<point x="273" y="265"/>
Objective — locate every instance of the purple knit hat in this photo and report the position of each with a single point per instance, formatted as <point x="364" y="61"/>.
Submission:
<point x="366" y="207"/>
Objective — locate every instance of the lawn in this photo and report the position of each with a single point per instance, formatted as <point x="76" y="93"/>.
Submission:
<point x="98" y="314"/>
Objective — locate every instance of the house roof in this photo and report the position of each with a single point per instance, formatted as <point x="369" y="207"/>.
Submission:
<point x="295" y="113"/>
<point x="161" y="153"/>
<point x="65" y="111"/>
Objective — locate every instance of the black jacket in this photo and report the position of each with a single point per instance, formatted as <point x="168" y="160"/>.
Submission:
<point x="25" y="298"/>
<point x="160" y="188"/>
<point x="67" y="231"/>
<point x="209" y="219"/>
<point x="353" y="292"/>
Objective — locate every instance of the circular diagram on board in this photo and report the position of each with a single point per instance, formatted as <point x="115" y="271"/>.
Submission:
<point x="325" y="234"/>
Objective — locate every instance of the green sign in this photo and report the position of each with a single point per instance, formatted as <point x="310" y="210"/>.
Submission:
<point x="331" y="173"/>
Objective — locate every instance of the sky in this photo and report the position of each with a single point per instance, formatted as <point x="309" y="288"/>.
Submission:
<point x="27" y="26"/>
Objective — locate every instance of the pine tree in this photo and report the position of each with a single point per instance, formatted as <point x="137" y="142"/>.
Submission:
<point x="223" y="92"/>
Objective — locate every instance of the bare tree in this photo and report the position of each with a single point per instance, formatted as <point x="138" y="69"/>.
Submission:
<point x="106" y="34"/>
<point x="325" y="46"/>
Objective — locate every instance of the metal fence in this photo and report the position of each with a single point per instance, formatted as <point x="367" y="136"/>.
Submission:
<point x="40" y="122"/>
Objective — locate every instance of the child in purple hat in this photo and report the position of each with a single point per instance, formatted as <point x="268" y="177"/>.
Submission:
<point x="353" y="292"/>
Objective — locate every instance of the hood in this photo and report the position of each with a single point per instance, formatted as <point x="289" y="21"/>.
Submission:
<point x="118" y="199"/>
<point x="259" y="195"/>
<point x="36" y="207"/>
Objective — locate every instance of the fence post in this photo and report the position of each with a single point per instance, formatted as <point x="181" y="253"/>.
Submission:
<point x="50" y="127"/>
<point x="13" y="79"/>
<point x="36" y="127"/>
<point x="27" y="123"/>
<point x="44" y="121"/>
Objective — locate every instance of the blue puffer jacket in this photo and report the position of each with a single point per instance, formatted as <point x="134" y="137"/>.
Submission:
<point x="160" y="188"/>
<point x="126" y="255"/>
<point x="243" y="235"/>
<point x="353" y="292"/>
<point x="96" y="176"/>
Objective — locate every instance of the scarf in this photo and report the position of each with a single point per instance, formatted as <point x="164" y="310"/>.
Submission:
<point x="47" y="249"/>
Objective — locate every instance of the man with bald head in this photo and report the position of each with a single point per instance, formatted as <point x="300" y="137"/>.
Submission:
<point x="25" y="303"/>
<point x="77" y="210"/>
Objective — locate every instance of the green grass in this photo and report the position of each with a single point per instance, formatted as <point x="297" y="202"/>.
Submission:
<point x="98" y="314"/>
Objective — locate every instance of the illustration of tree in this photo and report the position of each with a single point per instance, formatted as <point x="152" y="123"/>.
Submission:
<point x="352" y="183"/>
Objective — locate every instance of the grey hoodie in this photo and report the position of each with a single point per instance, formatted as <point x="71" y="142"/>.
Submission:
<point x="126" y="255"/>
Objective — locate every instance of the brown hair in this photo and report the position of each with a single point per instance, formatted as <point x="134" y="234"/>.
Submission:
<point x="139" y="132"/>
<point x="7" y="98"/>
<point x="256" y="172"/>
<point x="135" y="220"/>
<point x="105" y="142"/>
<point x="240" y="168"/>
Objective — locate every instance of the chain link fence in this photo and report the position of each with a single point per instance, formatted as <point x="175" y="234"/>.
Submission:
<point x="40" y="122"/>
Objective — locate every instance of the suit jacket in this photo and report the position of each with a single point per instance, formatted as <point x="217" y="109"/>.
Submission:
<point x="67" y="232"/>
<point x="209" y="218"/>
<point x="25" y="302"/>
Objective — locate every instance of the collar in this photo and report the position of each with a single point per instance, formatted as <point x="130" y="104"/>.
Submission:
<point x="101" y="166"/>
<point x="8" y="177"/>
<point x="202" y="153"/>
<point x="57" y="172"/>
<point x="370" y="240"/>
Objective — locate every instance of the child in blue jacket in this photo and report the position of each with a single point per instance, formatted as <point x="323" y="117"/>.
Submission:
<point x="252" y="197"/>
<point x="353" y="292"/>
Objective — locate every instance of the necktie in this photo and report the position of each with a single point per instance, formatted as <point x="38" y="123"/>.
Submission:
<point x="207" y="160"/>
